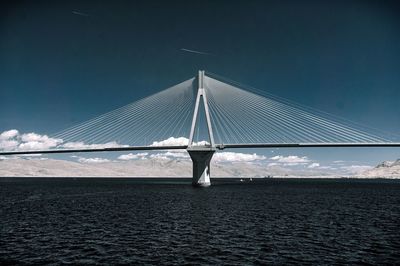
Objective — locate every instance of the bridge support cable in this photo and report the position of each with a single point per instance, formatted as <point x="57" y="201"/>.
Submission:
<point x="252" y="118"/>
<point x="153" y="119"/>
<point x="266" y="94"/>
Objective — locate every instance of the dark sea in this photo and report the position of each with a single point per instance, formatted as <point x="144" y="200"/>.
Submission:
<point x="106" y="221"/>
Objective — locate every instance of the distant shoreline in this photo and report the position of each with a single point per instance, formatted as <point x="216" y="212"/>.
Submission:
<point x="244" y="179"/>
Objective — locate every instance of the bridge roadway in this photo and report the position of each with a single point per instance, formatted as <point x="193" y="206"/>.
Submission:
<point x="217" y="146"/>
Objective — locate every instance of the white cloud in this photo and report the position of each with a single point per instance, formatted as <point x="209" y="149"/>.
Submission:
<point x="291" y="159"/>
<point x="236" y="157"/>
<point x="183" y="155"/>
<point x="218" y="157"/>
<point x="93" y="160"/>
<point x="8" y="144"/>
<point x="201" y="143"/>
<point x="33" y="137"/>
<point x="172" y="141"/>
<point x="8" y="140"/>
<point x="180" y="141"/>
<point x="356" y="169"/>
<point x="82" y="145"/>
<point x="160" y="156"/>
<point x="313" y="165"/>
<point x="9" y="134"/>
<point x="327" y="168"/>
<point x="90" y="160"/>
<point x="12" y="140"/>
<point x="132" y="156"/>
<point x="177" y="154"/>
<point x="32" y="141"/>
<point x="170" y="155"/>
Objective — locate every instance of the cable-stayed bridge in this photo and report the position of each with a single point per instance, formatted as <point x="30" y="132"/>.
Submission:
<point x="208" y="113"/>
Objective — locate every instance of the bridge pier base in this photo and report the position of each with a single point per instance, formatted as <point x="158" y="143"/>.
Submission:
<point x="201" y="166"/>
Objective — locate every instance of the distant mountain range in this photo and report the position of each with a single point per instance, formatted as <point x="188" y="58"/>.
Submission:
<point x="151" y="167"/>
<point x="384" y="169"/>
<point x="44" y="167"/>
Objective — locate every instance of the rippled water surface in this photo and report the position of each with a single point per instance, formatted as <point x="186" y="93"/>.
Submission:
<point x="126" y="221"/>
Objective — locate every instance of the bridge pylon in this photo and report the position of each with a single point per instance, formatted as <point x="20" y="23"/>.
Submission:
<point x="201" y="155"/>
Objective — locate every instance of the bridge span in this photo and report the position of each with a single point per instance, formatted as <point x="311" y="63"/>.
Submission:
<point x="234" y="118"/>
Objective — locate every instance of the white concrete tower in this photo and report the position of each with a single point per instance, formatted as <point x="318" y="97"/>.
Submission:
<point x="201" y="155"/>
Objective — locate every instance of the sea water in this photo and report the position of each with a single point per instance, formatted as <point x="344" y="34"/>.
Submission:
<point x="167" y="221"/>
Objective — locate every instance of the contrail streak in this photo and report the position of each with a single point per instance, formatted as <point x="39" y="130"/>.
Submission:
<point x="195" y="52"/>
<point x="80" y="13"/>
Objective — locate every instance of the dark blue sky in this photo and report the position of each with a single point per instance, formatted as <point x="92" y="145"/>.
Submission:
<point x="58" y="67"/>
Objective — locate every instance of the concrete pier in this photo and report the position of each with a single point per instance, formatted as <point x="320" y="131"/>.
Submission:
<point x="201" y="158"/>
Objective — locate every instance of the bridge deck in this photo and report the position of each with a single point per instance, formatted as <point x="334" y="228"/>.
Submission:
<point x="217" y="146"/>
